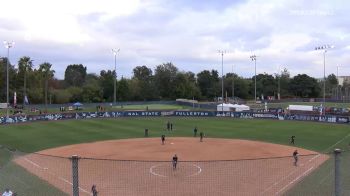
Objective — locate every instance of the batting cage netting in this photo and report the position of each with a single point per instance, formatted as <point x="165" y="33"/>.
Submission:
<point x="38" y="174"/>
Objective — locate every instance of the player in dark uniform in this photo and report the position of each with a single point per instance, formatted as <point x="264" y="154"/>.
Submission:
<point x="171" y="126"/>
<point x="175" y="159"/>
<point x="195" y="132"/>
<point x="292" y="139"/>
<point x="168" y="126"/>
<point x="295" y="156"/>
<point x="163" y="139"/>
<point x="201" y="135"/>
<point x="93" y="190"/>
<point x="146" y="132"/>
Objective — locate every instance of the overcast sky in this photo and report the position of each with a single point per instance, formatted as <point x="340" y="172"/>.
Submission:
<point x="188" y="33"/>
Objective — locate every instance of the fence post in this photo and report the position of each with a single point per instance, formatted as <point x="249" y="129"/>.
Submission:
<point x="75" y="174"/>
<point x="337" y="181"/>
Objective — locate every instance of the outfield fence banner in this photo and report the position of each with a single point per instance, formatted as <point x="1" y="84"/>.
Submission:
<point x="37" y="174"/>
<point x="117" y="114"/>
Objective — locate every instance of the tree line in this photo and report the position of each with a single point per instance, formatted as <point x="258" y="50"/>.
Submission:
<point x="165" y="82"/>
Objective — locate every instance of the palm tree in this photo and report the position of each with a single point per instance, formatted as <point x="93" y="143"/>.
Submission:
<point x="25" y="64"/>
<point x="47" y="73"/>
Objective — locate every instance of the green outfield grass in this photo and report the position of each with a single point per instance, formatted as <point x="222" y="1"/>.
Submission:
<point x="32" y="137"/>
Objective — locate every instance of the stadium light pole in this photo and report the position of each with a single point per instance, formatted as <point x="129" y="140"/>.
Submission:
<point x="115" y="52"/>
<point x="233" y="85"/>
<point x="325" y="48"/>
<point x="253" y="57"/>
<point x="338" y="81"/>
<point x="222" y="52"/>
<point x="8" y="45"/>
<point x="279" y="82"/>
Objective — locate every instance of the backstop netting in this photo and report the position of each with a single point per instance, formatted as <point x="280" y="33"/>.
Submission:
<point x="37" y="174"/>
<point x="323" y="180"/>
<point x="24" y="180"/>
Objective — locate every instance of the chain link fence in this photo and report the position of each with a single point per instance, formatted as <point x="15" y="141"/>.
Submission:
<point x="38" y="174"/>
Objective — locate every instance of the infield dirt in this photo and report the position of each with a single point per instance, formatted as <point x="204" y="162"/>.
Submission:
<point x="212" y="167"/>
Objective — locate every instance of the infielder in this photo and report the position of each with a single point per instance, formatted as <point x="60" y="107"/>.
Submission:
<point x="175" y="159"/>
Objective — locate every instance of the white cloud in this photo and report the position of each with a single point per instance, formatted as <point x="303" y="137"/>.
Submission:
<point x="152" y="32"/>
<point x="57" y="21"/>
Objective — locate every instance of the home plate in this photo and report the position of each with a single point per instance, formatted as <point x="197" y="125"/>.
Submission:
<point x="171" y="143"/>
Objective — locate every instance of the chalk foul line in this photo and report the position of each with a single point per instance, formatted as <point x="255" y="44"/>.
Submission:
<point x="285" y="177"/>
<point x="338" y="142"/>
<point x="296" y="179"/>
<point x="51" y="173"/>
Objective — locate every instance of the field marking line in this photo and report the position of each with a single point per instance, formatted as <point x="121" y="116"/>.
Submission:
<point x="31" y="162"/>
<point x="153" y="173"/>
<point x="338" y="142"/>
<point x="45" y="169"/>
<point x="291" y="173"/>
<point x="314" y="157"/>
<point x="156" y="174"/>
<point x="325" y="178"/>
<point x="199" y="171"/>
<point x="296" y="179"/>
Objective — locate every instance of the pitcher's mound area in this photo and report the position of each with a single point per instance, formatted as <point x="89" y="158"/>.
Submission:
<point x="143" y="167"/>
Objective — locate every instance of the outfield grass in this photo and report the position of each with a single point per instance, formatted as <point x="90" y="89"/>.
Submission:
<point x="17" y="179"/>
<point x="32" y="137"/>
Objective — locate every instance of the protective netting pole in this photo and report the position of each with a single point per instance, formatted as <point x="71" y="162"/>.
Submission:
<point x="75" y="175"/>
<point x="337" y="183"/>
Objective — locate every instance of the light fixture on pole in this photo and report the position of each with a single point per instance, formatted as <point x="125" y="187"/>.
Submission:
<point x="253" y="57"/>
<point x="222" y="52"/>
<point x="115" y="52"/>
<point x="8" y="45"/>
<point x="325" y="48"/>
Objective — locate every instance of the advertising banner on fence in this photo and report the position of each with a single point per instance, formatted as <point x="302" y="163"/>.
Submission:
<point x="117" y="114"/>
<point x="194" y="113"/>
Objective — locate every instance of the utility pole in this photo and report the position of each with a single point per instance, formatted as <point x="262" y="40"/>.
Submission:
<point x="222" y="52"/>
<point x="279" y="82"/>
<point x="325" y="49"/>
<point x="233" y="85"/>
<point x="253" y="57"/>
<point x="8" y="45"/>
<point x="115" y="52"/>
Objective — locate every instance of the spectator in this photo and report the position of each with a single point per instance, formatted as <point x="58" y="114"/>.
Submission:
<point x="7" y="192"/>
